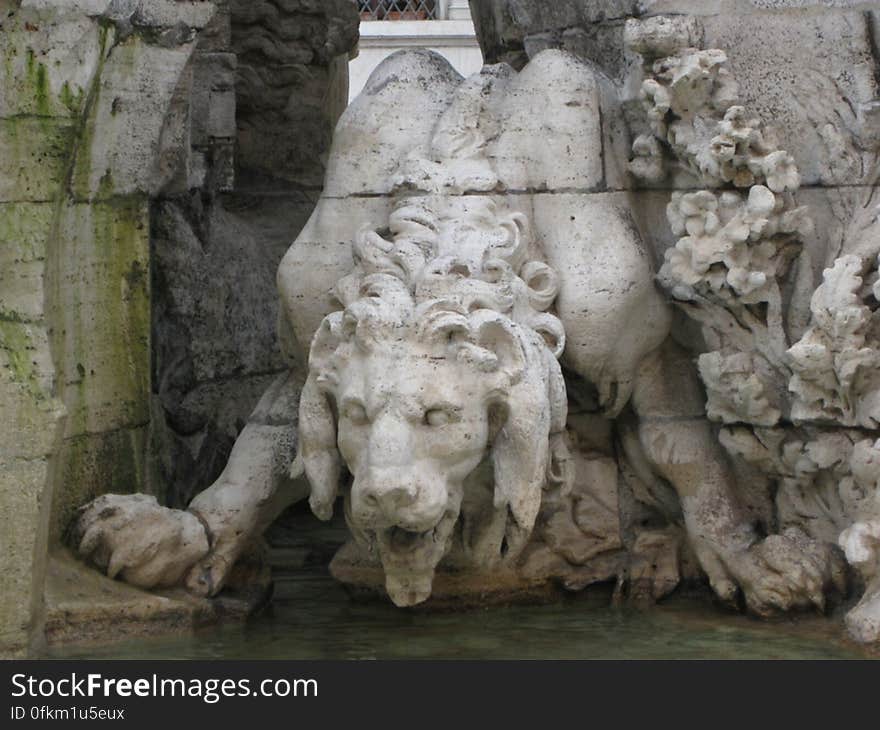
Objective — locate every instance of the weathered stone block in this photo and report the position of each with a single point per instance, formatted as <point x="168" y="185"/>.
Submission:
<point x="26" y="348"/>
<point x="23" y="546"/>
<point x="103" y="318"/>
<point x="213" y="97"/>
<point x="29" y="411"/>
<point x="809" y="77"/>
<point x="49" y="60"/>
<point x="24" y="230"/>
<point x="551" y="101"/>
<point x="119" y="153"/>
<point x="714" y="7"/>
<point x="33" y="158"/>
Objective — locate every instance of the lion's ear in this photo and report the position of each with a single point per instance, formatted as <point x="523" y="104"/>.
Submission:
<point x="317" y="448"/>
<point x="520" y="451"/>
<point x="317" y="452"/>
<point x="520" y="454"/>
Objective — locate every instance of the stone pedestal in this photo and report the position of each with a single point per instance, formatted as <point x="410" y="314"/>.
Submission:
<point x="364" y="578"/>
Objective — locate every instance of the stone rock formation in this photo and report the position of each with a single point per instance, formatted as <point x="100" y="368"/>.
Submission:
<point x="132" y="348"/>
<point x="603" y="312"/>
<point x="436" y="386"/>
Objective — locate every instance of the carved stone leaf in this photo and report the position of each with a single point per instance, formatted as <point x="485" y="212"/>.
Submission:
<point x="835" y="365"/>
<point x="735" y="392"/>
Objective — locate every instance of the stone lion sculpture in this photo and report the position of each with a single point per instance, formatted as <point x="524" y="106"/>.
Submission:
<point x="469" y="240"/>
<point x="440" y="361"/>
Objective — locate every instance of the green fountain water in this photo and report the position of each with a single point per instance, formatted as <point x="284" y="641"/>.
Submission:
<point x="312" y="617"/>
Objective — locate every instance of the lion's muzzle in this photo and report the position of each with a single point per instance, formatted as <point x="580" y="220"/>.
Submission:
<point x="398" y="497"/>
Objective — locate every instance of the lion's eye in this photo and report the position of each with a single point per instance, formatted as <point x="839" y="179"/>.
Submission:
<point x="355" y="413"/>
<point x="437" y="417"/>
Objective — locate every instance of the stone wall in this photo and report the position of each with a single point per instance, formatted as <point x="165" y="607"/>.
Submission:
<point x="269" y="80"/>
<point x="86" y="87"/>
<point x="137" y="277"/>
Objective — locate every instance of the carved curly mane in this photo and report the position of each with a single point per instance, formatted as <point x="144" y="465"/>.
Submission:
<point x="489" y="311"/>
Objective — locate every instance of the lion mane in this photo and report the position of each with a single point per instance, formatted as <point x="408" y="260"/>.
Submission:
<point x="494" y="318"/>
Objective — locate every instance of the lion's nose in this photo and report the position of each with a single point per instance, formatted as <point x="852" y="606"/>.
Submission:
<point x="389" y="498"/>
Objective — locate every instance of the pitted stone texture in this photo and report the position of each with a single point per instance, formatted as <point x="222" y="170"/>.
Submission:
<point x="713" y="7"/>
<point x="74" y="310"/>
<point x="121" y="152"/>
<point x="22" y="485"/>
<point x="805" y="68"/>
<point x="288" y="58"/>
<point x="810" y="77"/>
<point x="47" y="71"/>
<point x="376" y="133"/>
<point x="554" y="104"/>
<point x="800" y="373"/>
<point x="530" y="148"/>
<point x="616" y="314"/>
<point x="503" y="26"/>
<point x="108" y="278"/>
<point x="26" y="228"/>
<point x="33" y="158"/>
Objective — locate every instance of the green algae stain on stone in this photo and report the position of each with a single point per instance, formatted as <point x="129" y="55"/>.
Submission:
<point x="38" y="83"/>
<point x="106" y="328"/>
<point x="42" y="90"/>
<point x="24" y="232"/>
<point x="103" y="352"/>
<point x="72" y="100"/>
<point x="95" y="464"/>
<point x="16" y="342"/>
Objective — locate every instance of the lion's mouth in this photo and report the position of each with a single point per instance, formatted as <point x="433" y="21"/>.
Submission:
<point x="400" y="541"/>
<point x="410" y="557"/>
<point x="409" y="544"/>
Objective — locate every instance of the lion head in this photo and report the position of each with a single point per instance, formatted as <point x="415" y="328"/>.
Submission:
<point x="437" y="387"/>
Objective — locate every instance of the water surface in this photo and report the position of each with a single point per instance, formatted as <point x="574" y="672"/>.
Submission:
<point x="312" y="617"/>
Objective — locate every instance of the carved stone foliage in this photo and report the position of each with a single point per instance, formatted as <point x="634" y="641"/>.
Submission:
<point x="797" y="395"/>
<point x="835" y="363"/>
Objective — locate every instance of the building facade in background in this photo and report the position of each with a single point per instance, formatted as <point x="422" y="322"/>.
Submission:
<point x="387" y="26"/>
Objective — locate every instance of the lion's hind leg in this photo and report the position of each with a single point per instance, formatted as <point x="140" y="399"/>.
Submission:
<point x="775" y="573"/>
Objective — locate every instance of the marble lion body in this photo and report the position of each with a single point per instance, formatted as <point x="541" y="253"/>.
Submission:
<point x="455" y="426"/>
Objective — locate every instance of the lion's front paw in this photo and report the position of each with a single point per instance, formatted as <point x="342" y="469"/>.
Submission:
<point x="133" y="537"/>
<point x="780" y="573"/>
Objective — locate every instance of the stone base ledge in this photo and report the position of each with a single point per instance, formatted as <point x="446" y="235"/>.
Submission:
<point x="364" y="580"/>
<point x="84" y="607"/>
